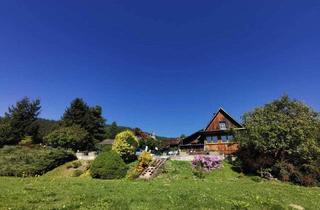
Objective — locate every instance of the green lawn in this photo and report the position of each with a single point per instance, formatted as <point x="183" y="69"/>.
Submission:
<point x="176" y="188"/>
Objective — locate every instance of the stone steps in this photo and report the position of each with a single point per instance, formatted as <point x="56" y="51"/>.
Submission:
<point x="153" y="169"/>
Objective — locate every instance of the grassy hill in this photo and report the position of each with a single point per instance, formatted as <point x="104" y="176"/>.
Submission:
<point x="175" y="188"/>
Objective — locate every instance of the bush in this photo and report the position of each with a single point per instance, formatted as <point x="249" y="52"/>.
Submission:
<point x="27" y="140"/>
<point x="73" y="137"/>
<point x="133" y="173"/>
<point x="144" y="161"/>
<point x="69" y="165"/>
<point x="307" y="175"/>
<point x="256" y="179"/>
<point x="103" y="148"/>
<point x="76" y="164"/>
<point x="125" y="144"/>
<point x="108" y="165"/>
<point x="31" y="161"/>
<point x="77" y="173"/>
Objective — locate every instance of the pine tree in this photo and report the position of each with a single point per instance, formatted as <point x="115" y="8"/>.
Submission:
<point x="112" y="131"/>
<point x="88" y="118"/>
<point x="23" y="120"/>
<point x="5" y="132"/>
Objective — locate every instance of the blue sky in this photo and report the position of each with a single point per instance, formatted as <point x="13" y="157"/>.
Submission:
<point x="163" y="66"/>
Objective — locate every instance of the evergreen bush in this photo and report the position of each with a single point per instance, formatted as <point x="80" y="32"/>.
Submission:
<point x="31" y="161"/>
<point x="108" y="165"/>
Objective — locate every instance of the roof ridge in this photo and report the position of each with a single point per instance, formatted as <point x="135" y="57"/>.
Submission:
<point x="215" y="114"/>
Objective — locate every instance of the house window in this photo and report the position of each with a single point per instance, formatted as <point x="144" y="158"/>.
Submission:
<point x="222" y="125"/>
<point x="215" y="139"/>
<point x="212" y="139"/>
<point x="230" y="137"/>
<point x="224" y="138"/>
<point x="208" y="139"/>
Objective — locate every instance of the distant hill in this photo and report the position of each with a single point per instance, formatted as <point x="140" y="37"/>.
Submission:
<point x="46" y="126"/>
<point x="120" y="127"/>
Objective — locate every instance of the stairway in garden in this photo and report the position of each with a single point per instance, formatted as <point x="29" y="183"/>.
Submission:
<point x="153" y="169"/>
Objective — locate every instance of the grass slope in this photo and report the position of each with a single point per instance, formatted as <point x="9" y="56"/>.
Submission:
<point x="175" y="188"/>
<point x="66" y="170"/>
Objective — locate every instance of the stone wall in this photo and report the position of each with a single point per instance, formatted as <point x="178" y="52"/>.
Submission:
<point x="86" y="156"/>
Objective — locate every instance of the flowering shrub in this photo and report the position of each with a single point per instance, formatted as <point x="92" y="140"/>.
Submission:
<point x="144" y="161"/>
<point x="204" y="164"/>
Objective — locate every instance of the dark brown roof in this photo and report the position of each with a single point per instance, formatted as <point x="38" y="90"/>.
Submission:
<point x="192" y="139"/>
<point x="171" y="141"/>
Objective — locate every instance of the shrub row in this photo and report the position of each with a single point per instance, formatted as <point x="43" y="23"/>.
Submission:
<point x="31" y="161"/>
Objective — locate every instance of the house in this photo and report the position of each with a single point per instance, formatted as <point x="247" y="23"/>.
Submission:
<point x="143" y="135"/>
<point x="217" y="136"/>
<point x="171" y="142"/>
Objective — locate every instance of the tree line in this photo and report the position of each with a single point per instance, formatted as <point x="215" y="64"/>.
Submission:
<point x="80" y="127"/>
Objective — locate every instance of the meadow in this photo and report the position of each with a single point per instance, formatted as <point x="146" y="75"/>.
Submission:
<point x="174" y="188"/>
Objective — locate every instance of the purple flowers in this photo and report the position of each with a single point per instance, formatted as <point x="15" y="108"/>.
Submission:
<point x="206" y="163"/>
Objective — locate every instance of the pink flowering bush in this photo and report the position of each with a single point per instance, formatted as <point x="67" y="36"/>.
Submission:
<point x="204" y="164"/>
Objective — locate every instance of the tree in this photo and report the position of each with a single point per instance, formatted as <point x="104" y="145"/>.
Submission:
<point x="149" y="141"/>
<point x="73" y="137"/>
<point x="46" y="126"/>
<point x="5" y="132"/>
<point x="125" y="144"/>
<point x="112" y="130"/>
<point x="77" y="113"/>
<point x="283" y="131"/>
<point x="88" y="118"/>
<point x="22" y="120"/>
<point x="96" y="123"/>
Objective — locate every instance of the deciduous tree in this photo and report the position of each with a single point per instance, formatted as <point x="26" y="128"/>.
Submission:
<point x="73" y="137"/>
<point x="284" y="130"/>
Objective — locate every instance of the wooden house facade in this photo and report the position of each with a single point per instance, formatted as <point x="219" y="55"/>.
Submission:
<point x="217" y="136"/>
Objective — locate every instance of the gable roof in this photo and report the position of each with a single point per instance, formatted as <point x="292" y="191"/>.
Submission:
<point x="221" y="110"/>
<point x="193" y="138"/>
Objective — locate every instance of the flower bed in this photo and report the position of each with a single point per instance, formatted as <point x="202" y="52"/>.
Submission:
<point x="204" y="164"/>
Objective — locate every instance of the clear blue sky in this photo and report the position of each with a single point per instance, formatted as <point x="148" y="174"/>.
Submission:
<point x="164" y="66"/>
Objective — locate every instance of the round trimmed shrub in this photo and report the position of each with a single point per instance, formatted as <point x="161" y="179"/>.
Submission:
<point x="125" y="144"/>
<point x="108" y="165"/>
